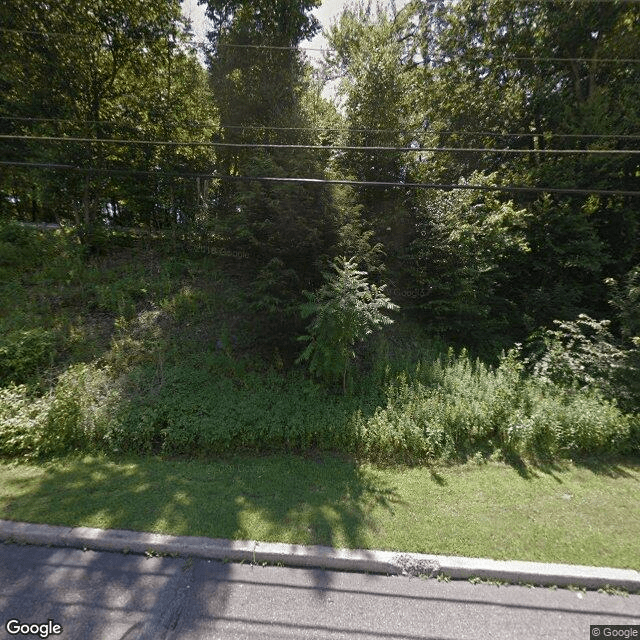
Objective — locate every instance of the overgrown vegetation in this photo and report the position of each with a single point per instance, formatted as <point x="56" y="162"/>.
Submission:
<point x="346" y="310"/>
<point x="199" y="194"/>
<point x="168" y="363"/>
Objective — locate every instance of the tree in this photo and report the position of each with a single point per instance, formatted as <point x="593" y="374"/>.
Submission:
<point x="346" y="310"/>
<point x="264" y="95"/>
<point x="544" y="71"/>
<point x="378" y="89"/>
<point x="116" y="69"/>
<point x="456" y="260"/>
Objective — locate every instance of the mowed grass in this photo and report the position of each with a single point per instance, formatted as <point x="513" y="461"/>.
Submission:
<point x="579" y="513"/>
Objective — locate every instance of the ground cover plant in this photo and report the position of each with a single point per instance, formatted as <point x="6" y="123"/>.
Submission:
<point x="148" y="350"/>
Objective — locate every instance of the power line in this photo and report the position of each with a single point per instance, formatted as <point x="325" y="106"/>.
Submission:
<point x="423" y="131"/>
<point x="491" y="58"/>
<point x="191" y="123"/>
<point x="205" y="46"/>
<point x="259" y="145"/>
<point x="435" y="132"/>
<point x="319" y="181"/>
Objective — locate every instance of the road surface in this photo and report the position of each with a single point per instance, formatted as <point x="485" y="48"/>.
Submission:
<point x="113" y="596"/>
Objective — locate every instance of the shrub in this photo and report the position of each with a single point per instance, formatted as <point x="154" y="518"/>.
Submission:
<point x="346" y="310"/>
<point x="626" y="300"/>
<point x="215" y="404"/>
<point x="580" y="351"/>
<point x="584" y="353"/>
<point x="24" y="248"/>
<point x="76" y="414"/>
<point x="14" y="233"/>
<point x="24" y="353"/>
<point x="22" y="420"/>
<point x="81" y="410"/>
<point x="453" y="407"/>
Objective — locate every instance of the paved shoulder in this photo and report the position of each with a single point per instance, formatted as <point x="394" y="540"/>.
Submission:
<point x="113" y="596"/>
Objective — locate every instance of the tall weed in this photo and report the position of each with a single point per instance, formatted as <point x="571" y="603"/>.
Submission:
<point x="23" y="353"/>
<point x="75" y="415"/>
<point x="452" y="407"/>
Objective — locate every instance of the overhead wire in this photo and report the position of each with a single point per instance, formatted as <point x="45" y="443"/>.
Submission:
<point x="423" y="131"/>
<point x="206" y="46"/>
<point x="346" y="148"/>
<point x="266" y="145"/>
<point x="320" y="181"/>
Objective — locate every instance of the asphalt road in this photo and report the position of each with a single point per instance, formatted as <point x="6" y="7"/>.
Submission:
<point x="112" y="596"/>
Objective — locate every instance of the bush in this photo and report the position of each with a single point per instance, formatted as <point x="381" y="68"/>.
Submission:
<point x="82" y="408"/>
<point x="346" y="310"/>
<point x="580" y="351"/>
<point x="220" y="405"/>
<point x="25" y="248"/>
<point x="448" y="408"/>
<point x="13" y="232"/>
<point x="563" y="423"/>
<point x="626" y="300"/>
<point x="584" y="353"/>
<point x="25" y="353"/>
<point x="76" y="415"/>
<point x="453" y="407"/>
<point x="22" y="420"/>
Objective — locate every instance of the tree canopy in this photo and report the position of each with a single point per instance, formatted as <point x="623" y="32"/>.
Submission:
<point x="122" y="124"/>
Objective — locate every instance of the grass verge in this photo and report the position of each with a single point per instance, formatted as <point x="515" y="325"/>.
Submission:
<point x="578" y="513"/>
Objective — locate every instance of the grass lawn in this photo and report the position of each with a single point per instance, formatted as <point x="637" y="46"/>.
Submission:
<point x="580" y="513"/>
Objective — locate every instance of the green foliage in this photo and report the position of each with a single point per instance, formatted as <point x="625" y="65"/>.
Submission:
<point x="169" y="373"/>
<point x="127" y="73"/>
<point x="346" y="310"/>
<point x="22" y="420"/>
<point x="506" y="82"/>
<point x="275" y="297"/>
<point x="218" y="405"/>
<point x="584" y="353"/>
<point x="626" y="300"/>
<point x="561" y="275"/>
<point x="74" y="415"/>
<point x="25" y="353"/>
<point x="378" y="91"/>
<point x="452" y="407"/>
<point x="580" y="351"/>
<point x="354" y="238"/>
<point x="12" y="232"/>
<point x="24" y="249"/>
<point x="82" y="410"/>
<point x="463" y="240"/>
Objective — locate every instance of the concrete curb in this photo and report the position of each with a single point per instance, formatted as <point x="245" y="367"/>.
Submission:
<point x="384" y="562"/>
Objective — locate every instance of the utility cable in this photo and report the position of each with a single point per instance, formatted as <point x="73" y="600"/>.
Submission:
<point x="256" y="145"/>
<point x="319" y="181"/>
<point x="310" y="146"/>
<point x="206" y="123"/>
<point x="207" y="47"/>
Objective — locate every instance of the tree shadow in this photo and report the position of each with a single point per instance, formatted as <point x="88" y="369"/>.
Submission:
<point x="519" y="464"/>
<point x="328" y="501"/>
<point x="106" y="594"/>
<point x="616" y="467"/>
<point x="437" y="477"/>
<point x="612" y="467"/>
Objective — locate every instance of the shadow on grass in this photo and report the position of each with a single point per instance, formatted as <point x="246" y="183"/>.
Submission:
<point x="283" y="498"/>
<point x="612" y="467"/>
<point x="437" y="477"/>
